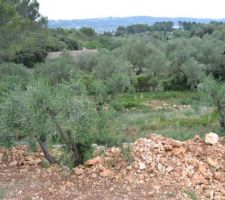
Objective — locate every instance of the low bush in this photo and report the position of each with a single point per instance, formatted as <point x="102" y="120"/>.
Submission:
<point x="145" y="83"/>
<point x="56" y="70"/>
<point x="13" y="76"/>
<point x="176" y="82"/>
<point x="214" y="92"/>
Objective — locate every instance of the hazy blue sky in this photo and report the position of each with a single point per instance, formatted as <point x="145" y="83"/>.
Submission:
<point x="78" y="9"/>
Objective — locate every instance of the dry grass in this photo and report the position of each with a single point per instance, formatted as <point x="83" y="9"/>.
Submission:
<point x="52" y="55"/>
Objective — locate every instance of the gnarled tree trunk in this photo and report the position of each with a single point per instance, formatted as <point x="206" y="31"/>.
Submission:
<point x="66" y="138"/>
<point x="48" y="156"/>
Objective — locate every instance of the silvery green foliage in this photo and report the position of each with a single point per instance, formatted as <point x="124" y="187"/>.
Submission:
<point x="109" y="65"/>
<point x="194" y="72"/>
<point x="57" y="70"/>
<point x="118" y="84"/>
<point x="99" y="90"/>
<point x="156" y="63"/>
<point x="214" y="93"/>
<point x="22" y="112"/>
<point x="212" y="90"/>
<point x="86" y="62"/>
<point x="25" y="112"/>
<point x="75" y="111"/>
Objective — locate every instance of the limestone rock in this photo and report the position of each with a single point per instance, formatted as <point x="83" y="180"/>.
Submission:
<point x="13" y="164"/>
<point x="1" y="156"/>
<point x="142" y="166"/>
<point x="218" y="176"/>
<point x="211" y="138"/>
<point x="106" y="173"/>
<point x="93" y="161"/>
<point x="78" y="171"/>
<point x="212" y="162"/>
<point x="23" y="171"/>
<point x="176" y="143"/>
<point x="180" y="152"/>
<point x="33" y="162"/>
<point x="199" y="179"/>
<point x="168" y="147"/>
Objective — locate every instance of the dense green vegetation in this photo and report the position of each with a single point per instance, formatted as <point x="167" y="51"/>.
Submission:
<point x="142" y="79"/>
<point x="22" y="32"/>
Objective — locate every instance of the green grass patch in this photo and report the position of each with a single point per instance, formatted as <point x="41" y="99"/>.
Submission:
<point x="204" y="120"/>
<point x="138" y="99"/>
<point x="183" y="133"/>
<point x="181" y="124"/>
<point x="190" y="122"/>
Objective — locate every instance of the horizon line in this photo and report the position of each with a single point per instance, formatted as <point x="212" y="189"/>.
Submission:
<point x="92" y="18"/>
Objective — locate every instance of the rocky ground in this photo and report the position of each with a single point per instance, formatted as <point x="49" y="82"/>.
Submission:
<point x="150" y="168"/>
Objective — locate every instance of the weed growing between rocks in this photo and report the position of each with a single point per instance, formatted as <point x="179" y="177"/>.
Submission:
<point x="2" y="194"/>
<point x="126" y="151"/>
<point x="192" y="194"/>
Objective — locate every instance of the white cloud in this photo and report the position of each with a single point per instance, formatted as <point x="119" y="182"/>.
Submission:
<point x="78" y="9"/>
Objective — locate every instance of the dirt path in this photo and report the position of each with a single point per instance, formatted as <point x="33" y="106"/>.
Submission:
<point x="51" y="185"/>
<point x="75" y="53"/>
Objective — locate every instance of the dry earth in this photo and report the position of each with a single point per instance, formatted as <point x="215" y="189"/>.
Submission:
<point x="158" y="168"/>
<point x="57" y="54"/>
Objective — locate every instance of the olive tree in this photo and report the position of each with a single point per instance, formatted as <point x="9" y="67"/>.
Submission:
<point x="108" y="64"/>
<point x="112" y="74"/>
<point x="43" y="110"/>
<point x="194" y="72"/>
<point x="156" y="63"/>
<point x="214" y="92"/>
<point x="136" y="51"/>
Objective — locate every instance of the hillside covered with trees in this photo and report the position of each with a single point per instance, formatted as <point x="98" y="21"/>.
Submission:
<point x="101" y="25"/>
<point x="139" y="79"/>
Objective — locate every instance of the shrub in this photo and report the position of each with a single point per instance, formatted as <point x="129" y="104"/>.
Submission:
<point x="29" y="57"/>
<point x="107" y="134"/>
<point x="89" y="32"/>
<point x="109" y="65"/>
<point x="145" y="83"/>
<point x="94" y="44"/>
<point x="57" y="70"/>
<point x="12" y="76"/>
<point x="119" y="83"/>
<point x="214" y="92"/>
<point x="176" y="82"/>
<point x="86" y="62"/>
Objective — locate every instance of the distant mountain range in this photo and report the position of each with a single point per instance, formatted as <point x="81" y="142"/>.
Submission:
<point x="111" y="23"/>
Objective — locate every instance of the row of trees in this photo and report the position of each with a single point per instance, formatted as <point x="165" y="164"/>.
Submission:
<point x="141" y="28"/>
